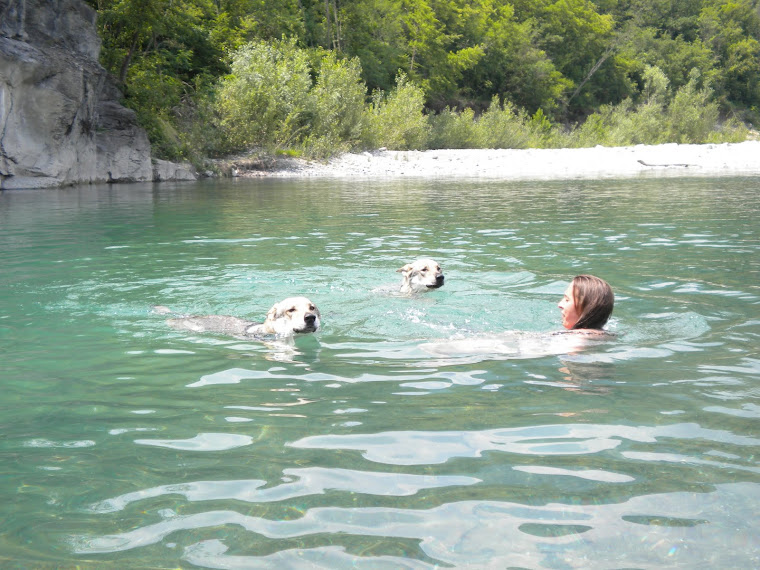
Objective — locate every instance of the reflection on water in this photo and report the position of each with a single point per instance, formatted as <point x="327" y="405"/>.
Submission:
<point x="452" y="428"/>
<point x="408" y="448"/>
<point x="472" y="533"/>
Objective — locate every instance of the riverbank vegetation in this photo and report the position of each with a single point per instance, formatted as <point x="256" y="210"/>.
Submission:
<point x="211" y="78"/>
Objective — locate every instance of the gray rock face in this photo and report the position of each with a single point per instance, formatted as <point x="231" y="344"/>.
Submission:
<point x="165" y="170"/>
<point x="60" y="118"/>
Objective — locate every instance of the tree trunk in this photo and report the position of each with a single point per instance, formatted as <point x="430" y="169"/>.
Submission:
<point x="597" y="65"/>
<point x="128" y="59"/>
<point x="328" y="35"/>
<point x="336" y="21"/>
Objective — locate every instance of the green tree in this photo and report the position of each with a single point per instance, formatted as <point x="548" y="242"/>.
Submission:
<point x="581" y="43"/>
<point x="675" y="56"/>
<point x="373" y="32"/>
<point x="161" y="53"/>
<point x="512" y="67"/>
<point x="732" y="29"/>
<point x="240" y="21"/>
<point x="436" y="56"/>
<point x="545" y="62"/>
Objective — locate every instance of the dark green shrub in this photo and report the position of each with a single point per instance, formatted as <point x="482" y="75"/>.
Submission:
<point x="449" y="129"/>
<point x="335" y="107"/>
<point x="262" y="103"/>
<point x="397" y="121"/>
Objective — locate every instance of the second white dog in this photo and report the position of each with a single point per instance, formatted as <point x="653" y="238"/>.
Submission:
<point x="421" y="275"/>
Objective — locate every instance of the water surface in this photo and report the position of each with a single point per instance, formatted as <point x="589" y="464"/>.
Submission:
<point x="128" y="444"/>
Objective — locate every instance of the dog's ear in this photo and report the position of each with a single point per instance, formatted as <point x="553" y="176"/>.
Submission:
<point x="272" y="314"/>
<point x="406" y="269"/>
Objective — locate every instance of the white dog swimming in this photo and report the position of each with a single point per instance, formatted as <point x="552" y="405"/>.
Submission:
<point x="421" y="275"/>
<point x="294" y="315"/>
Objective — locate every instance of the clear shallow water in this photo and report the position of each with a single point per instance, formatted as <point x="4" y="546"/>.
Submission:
<point x="128" y="444"/>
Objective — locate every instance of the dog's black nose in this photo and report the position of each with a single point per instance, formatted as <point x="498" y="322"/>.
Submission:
<point x="439" y="280"/>
<point x="309" y="319"/>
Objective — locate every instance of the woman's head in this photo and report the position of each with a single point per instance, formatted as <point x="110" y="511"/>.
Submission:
<point x="587" y="303"/>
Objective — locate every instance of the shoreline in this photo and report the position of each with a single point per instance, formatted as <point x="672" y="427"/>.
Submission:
<point x="641" y="161"/>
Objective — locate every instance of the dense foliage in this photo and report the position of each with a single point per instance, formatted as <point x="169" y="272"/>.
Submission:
<point x="209" y="77"/>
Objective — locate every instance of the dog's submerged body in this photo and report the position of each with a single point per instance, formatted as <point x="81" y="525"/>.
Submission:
<point x="421" y="275"/>
<point x="294" y="315"/>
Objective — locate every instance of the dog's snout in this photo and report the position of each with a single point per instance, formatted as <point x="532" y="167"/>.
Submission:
<point x="310" y="318"/>
<point x="439" y="279"/>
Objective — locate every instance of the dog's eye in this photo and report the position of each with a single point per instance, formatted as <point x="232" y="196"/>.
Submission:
<point x="312" y="308"/>
<point x="291" y="310"/>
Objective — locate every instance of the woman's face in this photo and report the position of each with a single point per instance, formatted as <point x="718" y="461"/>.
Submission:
<point x="567" y="306"/>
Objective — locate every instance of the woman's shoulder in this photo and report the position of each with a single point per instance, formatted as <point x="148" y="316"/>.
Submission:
<point x="600" y="333"/>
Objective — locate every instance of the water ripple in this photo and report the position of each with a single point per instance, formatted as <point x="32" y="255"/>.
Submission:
<point x="212" y="554"/>
<point x="298" y="483"/>
<point x="679" y="527"/>
<point x="426" y="448"/>
<point x="201" y="442"/>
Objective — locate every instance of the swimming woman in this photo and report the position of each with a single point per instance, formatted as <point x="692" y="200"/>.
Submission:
<point x="587" y="304"/>
<point x="586" y="307"/>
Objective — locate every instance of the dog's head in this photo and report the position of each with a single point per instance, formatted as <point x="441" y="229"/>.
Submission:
<point x="421" y="275"/>
<point x="292" y="315"/>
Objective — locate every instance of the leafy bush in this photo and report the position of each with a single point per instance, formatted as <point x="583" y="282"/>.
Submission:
<point x="336" y="107"/>
<point x="500" y="126"/>
<point x="643" y="124"/>
<point x="690" y="116"/>
<point x="270" y="100"/>
<point x="262" y="103"/>
<point x="504" y="126"/>
<point x="449" y="129"/>
<point x="396" y="121"/>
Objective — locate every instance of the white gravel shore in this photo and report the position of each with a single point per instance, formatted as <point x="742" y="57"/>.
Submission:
<point x="668" y="160"/>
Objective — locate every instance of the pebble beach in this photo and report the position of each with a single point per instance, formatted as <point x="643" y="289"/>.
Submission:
<point x="667" y="160"/>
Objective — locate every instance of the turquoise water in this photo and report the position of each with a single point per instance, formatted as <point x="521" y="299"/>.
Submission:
<point x="443" y="430"/>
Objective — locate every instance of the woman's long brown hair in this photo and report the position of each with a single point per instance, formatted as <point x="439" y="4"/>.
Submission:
<point x="594" y="301"/>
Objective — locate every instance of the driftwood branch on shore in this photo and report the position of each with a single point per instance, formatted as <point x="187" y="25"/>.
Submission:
<point x="684" y="165"/>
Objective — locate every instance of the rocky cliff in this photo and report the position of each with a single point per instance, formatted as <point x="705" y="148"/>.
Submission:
<point x="61" y="121"/>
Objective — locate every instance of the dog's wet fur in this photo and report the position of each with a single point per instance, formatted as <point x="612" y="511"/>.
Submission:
<point x="294" y="315"/>
<point x="421" y="275"/>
